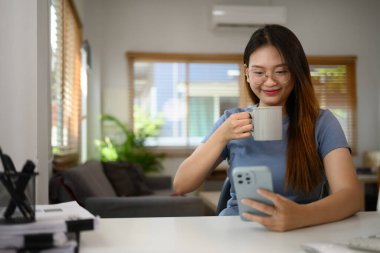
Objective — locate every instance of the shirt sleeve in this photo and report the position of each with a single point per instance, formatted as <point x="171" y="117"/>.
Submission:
<point x="218" y="123"/>
<point x="329" y="133"/>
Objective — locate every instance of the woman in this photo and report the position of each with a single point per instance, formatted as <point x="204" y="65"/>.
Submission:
<point x="313" y="150"/>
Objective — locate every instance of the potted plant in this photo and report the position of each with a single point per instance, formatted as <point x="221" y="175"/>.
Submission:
<point x="130" y="144"/>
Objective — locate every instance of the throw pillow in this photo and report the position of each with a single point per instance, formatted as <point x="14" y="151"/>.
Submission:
<point x="127" y="178"/>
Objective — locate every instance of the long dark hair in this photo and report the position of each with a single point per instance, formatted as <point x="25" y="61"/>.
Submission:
<point x="303" y="166"/>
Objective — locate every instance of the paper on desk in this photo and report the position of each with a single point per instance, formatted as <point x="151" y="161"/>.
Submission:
<point x="51" y="219"/>
<point x="67" y="210"/>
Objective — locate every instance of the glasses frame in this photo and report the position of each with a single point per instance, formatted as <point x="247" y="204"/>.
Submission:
<point x="267" y="74"/>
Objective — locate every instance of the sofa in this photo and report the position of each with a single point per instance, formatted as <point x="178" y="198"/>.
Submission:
<point x="120" y="190"/>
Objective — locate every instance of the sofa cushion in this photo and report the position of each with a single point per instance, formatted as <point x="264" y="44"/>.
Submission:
<point x="88" y="180"/>
<point x="127" y="178"/>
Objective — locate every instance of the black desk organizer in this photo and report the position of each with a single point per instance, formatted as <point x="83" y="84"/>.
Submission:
<point x="17" y="192"/>
<point x="18" y="200"/>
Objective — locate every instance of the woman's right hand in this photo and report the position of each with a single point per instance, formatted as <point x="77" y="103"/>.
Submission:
<point x="237" y="126"/>
<point x="194" y="170"/>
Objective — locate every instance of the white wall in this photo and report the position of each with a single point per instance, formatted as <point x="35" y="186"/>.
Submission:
<point x="325" y="27"/>
<point x="24" y="92"/>
<point x="94" y="96"/>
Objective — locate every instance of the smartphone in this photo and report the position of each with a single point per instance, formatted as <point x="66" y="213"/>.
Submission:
<point x="246" y="181"/>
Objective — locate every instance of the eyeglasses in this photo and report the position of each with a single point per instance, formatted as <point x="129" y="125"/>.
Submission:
<point x="259" y="76"/>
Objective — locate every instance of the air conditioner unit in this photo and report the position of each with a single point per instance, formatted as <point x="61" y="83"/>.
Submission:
<point x="247" y="15"/>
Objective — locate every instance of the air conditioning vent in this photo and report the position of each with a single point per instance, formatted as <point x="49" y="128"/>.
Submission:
<point x="247" y="16"/>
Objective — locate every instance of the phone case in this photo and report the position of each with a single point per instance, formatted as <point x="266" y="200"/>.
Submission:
<point x="246" y="181"/>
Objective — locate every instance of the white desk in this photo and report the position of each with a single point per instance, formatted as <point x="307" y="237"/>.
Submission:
<point x="215" y="234"/>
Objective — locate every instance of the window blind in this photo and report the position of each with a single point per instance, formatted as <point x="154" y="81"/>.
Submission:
<point x="66" y="69"/>
<point x="334" y="83"/>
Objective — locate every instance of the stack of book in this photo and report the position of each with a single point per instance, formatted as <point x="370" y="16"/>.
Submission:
<point x="56" y="229"/>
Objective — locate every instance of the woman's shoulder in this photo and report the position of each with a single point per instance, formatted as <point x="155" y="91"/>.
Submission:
<point x="325" y="115"/>
<point x="329" y="133"/>
<point x="327" y="120"/>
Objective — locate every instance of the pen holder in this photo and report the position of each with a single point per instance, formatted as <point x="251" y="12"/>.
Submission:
<point x="17" y="197"/>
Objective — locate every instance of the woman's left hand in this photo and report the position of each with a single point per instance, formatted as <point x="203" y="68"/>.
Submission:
<point x="284" y="215"/>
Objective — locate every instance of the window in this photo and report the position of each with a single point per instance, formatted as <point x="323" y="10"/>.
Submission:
<point x="334" y="82"/>
<point x="65" y="81"/>
<point x="190" y="92"/>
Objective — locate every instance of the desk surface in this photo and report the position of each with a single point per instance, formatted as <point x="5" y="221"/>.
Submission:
<point x="215" y="234"/>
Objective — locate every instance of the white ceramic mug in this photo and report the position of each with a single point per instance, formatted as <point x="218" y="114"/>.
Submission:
<point x="267" y="123"/>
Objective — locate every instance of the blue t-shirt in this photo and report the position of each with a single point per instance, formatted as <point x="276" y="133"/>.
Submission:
<point x="248" y="152"/>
